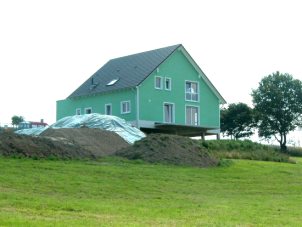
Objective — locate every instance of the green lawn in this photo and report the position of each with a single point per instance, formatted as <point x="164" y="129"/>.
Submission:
<point x="120" y="193"/>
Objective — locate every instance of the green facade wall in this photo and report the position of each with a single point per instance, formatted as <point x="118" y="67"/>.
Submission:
<point x="179" y="69"/>
<point x="68" y="107"/>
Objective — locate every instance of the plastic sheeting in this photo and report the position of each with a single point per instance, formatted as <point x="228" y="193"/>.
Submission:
<point x="31" y="131"/>
<point x="106" y="122"/>
<point x="95" y="120"/>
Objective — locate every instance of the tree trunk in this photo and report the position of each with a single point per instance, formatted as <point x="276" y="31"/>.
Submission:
<point x="283" y="143"/>
<point x="283" y="147"/>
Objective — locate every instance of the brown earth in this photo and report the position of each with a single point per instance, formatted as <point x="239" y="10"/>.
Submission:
<point x="169" y="149"/>
<point x="78" y="143"/>
<point x="12" y="144"/>
<point x="99" y="142"/>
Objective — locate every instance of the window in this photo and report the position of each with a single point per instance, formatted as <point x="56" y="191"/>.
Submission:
<point x="168" y="112"/>
<point x="112" y="82"/>
<point x="125" y="107"/>
<point x="78" y="111"/>
<point x="158" y="82"/>
<point x="108" y="109"/>
<point x="192" y="91"/>
<point x="88" y="110"/>
<point x="168" y="84"/>
<point x="192" y="115"/>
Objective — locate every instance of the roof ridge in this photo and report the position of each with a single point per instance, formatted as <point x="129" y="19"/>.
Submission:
<point x="143" y="52"/>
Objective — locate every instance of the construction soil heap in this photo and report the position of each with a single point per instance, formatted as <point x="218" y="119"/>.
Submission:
<point x="169" y="149"/>
<point x="64" y="143"/>
<point x="12" y="144"/>
<point x="79" y="143"/>
<point x="97" y="141"/>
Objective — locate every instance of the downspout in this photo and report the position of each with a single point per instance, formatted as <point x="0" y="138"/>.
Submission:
<point x="137" y="107"/>
<point x="218" y="134"/>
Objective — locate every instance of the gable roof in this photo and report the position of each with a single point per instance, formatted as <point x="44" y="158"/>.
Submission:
<point x="128" y="71"/>
<point x="132" y="70"/>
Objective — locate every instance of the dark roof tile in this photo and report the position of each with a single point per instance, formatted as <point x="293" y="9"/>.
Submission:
<point x="129" y="70"/>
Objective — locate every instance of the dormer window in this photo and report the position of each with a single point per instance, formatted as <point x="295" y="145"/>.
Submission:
<point x="112" y="82"/>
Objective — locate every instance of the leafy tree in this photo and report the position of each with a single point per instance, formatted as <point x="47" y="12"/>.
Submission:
<point x="16" y="120"/>
<point x="237" y="120"/>
<point x="278" y="102"/>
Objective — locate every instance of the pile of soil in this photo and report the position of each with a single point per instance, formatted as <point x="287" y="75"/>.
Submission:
<point x="169" y="149"/>
<point x="99" y="142"/>
<point x="12" y="144"/>
<point x="78" y="143"/>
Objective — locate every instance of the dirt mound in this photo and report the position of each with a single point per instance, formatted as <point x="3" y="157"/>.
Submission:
<point x="171" y="149"/>
<point x="97" y="141"/>
<point x="12" y="144"/>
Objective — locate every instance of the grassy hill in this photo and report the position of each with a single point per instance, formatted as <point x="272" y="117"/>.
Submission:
<point x="113" y="192"/>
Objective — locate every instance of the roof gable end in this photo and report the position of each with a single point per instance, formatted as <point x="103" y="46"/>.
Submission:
<point x="202" y="75"/>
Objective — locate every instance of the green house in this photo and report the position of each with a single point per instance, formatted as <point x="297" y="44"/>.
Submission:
<point x="161" y="90"/>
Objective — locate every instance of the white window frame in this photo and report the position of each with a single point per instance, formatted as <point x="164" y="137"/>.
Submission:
<point x="129" y="104"/>
<point x="173" y="112"/>
<point x="198" y="115"/>
<point x="108" y="104"/>
<point x="198" y="92"/>
<point x="88" y="108"/>
<point x="78" y="110"/>
<point x="165" y="82"/>
<point x="161" y="82"/>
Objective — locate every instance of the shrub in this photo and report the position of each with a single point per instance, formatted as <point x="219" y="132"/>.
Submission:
<point x="246" y="149"/>
<point x="294" y="151"/>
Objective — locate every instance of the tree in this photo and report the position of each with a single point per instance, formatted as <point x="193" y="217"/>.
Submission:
<point x="237" y="120"/>
<point x="278" y="103"/>
<point x="16" y="120"/>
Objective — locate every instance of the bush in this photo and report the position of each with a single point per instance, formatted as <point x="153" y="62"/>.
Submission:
<point x="246" y="149"/>
<point x="294" y="151"/>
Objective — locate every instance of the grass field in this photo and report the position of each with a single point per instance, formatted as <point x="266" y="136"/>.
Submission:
<point x="122" y="193"/>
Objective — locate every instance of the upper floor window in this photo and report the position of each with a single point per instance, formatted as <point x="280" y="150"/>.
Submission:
<point x="192" y="91"/>
<point x="158" y="82"/>
<point x="168" y="83"/>
<point x="125" y="107"/>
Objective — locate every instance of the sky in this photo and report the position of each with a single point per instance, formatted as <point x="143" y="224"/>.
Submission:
<point x="49" y="48"/>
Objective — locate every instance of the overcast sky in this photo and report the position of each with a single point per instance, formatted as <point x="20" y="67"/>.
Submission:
<point x="49" y="48"/>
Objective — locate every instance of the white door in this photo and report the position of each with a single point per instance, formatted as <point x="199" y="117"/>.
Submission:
<point x="192" y="115"/>
<point x="168" y="113"/>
